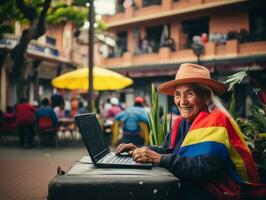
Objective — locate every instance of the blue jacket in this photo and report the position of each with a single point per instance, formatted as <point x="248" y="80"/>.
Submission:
<point x="131" y="117"/>
<point x="47" y="111"/>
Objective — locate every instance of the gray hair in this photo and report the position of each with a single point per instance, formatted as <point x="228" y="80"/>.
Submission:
<point x="214" y="100"/>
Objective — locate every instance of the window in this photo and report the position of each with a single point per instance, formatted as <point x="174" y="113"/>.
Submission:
<point x="257" y="23"/>
<point x="151" y="2"/>
<point x="154" y="37"/>
<point x="195" y="27"/>
<point x="119" y="6"/>
<point x="50" y="40"/>
<point x="121" y="43"/>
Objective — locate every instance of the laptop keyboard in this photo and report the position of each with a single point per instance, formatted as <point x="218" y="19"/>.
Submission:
<point x="114" y="159"/>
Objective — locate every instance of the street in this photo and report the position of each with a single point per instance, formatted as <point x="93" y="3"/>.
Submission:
<point x="25" y="174"/>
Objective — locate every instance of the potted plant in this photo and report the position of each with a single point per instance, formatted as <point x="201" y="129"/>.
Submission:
<point x="157" y="121"/>
<point x="254" y="128"/>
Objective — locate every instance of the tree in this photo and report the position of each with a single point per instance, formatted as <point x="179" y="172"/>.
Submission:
<point x="35" y="29"/>
<point x="35" y="13"/>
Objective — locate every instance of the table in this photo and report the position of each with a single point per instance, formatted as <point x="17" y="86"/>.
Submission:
<point x="84" y="181"/>
<point x="67" y="126"/>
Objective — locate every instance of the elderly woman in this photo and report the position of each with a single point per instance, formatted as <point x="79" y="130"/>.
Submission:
<point x="205" y="148"/>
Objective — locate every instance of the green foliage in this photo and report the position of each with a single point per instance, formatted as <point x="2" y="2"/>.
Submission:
<point x="61" y="12"/>
<point x="254" y="128"/>
<point x="11" y="13"/>
<point x="232" y="107"/>
<point x="158" y="126"/>
<point x="8" y="11"/>
<point x="235" y="79"/>
<point x="258" y="117"/>
<point x="100" y="26"/>
<point x="79" y="2"/>
<point x="255" y="133"/>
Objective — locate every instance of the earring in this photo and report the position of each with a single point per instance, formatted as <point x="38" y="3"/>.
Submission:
<point x="210" y="107"/>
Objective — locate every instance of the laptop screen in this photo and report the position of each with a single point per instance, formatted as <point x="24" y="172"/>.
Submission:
<point x="92" y="134"/>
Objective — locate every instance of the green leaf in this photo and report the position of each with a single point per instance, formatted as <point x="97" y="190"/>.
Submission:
<point x="158" y="126"/>
<point x="232" y="107"/>
<point x="235" y="79"/>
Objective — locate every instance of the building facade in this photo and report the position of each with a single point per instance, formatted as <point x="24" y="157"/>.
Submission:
<point x="46" y="60"/>
<point x="153" y="37"/>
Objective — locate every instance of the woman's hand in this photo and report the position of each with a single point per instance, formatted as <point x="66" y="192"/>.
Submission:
<point x="145" y="155"/>
<point x="126" y="148"/>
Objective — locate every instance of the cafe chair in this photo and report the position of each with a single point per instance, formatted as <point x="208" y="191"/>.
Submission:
<point x="45" y="130"/>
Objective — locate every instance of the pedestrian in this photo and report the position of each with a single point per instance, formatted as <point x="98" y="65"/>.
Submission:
<point x="109" y="117"/>
<point x="114" y="109"/>
<point x="25" y="114"/>
<point x="205" y="149"/>
<point x="57" y="99"/>
<point x="81" y="109"/>
<point x="131" y="119"/>
<point x="60" y="111"/>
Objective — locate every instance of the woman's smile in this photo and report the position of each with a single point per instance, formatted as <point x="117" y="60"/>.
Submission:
<point x="188" y="101"/>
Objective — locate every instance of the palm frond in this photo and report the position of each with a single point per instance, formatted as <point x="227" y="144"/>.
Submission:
<point x="235" y="79"/>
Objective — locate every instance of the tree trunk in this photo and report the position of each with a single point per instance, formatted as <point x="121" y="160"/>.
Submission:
<point x="21" y="69"/>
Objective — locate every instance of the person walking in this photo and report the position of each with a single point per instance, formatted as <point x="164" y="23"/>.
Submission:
<point x="109" y="116"/>
<point x="131" y="119"/>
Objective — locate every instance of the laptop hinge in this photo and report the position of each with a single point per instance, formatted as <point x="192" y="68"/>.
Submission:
<point x="102" y="154"/>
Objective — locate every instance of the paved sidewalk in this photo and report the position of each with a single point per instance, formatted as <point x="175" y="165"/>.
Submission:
<point x="25" y="174"/>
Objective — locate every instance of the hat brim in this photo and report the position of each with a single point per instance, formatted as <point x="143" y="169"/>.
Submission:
<point x="168" y="88"/>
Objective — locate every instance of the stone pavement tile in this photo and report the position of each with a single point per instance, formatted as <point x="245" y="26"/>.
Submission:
<point x="28" y="179"/>
<point x="25" y="174"/>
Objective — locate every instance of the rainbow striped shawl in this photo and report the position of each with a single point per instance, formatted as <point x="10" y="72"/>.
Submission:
<point x="216" y="134"/>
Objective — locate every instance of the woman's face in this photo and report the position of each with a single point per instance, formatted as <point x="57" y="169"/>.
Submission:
<point x="188" y="101"/>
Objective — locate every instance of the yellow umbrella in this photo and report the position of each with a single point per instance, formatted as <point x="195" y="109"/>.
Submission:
<point x="103" y="79"/>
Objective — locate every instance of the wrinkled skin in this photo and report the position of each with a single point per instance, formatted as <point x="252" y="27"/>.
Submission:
<point x="143" y="154"/>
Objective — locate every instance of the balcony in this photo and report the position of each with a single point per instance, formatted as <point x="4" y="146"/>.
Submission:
<point x="232" y="49"/>
<point x="10" y="41"/>
<point x="167" y="8"/>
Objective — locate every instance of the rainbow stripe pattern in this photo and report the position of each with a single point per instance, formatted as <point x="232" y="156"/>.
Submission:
<point x="214" y="133"/>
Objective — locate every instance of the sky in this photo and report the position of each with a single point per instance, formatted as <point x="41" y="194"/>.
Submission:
<point x="104" y="7"/>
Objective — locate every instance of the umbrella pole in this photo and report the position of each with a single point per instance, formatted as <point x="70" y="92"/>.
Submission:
<point x="90" y="57"/>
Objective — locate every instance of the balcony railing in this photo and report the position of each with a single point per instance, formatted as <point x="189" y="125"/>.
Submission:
<point x="146" y="3"/>
<point x="9" y="42"/>
<point x="147" y="10"/>
<point x="231" y="49"/>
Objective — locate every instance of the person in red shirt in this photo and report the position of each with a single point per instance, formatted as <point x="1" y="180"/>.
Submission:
<point x="25" y="113"/>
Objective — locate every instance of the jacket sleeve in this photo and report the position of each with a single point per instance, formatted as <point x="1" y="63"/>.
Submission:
<point x="195" y="168"/>
<point x="164" y="148"/>
<point x="120" y="116"/>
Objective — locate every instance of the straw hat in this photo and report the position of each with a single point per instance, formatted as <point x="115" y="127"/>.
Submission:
<point x="192" y="73"/>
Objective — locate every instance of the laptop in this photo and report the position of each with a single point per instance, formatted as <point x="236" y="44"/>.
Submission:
<point x="97" y="147"/>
